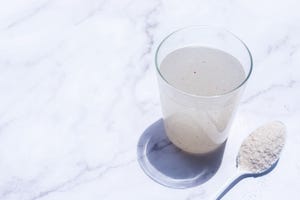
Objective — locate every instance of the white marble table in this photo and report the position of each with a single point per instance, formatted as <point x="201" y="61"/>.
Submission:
<point x="78" y="88"/>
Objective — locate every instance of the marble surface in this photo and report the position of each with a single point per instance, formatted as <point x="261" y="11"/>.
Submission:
<point x="78" y="88"/>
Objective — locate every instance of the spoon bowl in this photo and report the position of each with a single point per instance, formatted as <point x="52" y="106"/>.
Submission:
<point x="258" y="154"/>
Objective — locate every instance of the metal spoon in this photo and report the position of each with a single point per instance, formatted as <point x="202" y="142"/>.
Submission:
<point x="258" y="154"/>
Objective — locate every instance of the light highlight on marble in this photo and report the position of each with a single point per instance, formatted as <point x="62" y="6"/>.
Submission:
<point x="78" y="88"/>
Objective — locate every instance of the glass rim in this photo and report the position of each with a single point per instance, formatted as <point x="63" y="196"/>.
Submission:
<point x="208" y="27"/>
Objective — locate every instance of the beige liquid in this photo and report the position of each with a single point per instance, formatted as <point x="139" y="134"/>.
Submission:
<point x="199" y="125"/>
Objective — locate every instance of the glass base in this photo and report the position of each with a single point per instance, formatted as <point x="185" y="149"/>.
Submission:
<point x="169" y="166"/>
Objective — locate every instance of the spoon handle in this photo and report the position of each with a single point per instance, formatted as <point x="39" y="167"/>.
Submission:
<point x="239" y="175"/>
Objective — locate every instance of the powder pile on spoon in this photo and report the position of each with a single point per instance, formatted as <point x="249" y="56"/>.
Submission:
<point x="262" y="148"/>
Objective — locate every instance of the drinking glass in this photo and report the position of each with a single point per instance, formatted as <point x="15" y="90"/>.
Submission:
<point x="200" y="124"/>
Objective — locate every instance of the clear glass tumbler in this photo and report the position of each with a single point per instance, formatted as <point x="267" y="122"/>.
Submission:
<point x="199" y="124"/>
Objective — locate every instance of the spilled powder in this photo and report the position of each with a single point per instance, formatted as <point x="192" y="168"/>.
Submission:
<point x="261" y="149"/>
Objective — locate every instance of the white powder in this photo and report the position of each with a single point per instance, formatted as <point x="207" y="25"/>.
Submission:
<point x="261" y="149"/>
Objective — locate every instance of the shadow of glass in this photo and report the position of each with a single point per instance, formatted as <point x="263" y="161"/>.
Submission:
<point x="172" y="167"/>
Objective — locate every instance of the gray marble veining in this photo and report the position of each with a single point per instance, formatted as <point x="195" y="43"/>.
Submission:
<point x="78" y="88"/>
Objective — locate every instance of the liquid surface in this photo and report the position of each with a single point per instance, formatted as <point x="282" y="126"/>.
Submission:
<point x="193" y="124"/>
<point x="202" y="71"/>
